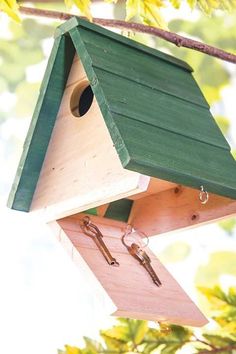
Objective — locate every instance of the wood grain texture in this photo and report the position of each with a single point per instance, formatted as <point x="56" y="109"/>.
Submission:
<point x="42" y="123"/>
<point x="159" y="109"/>
<point x="112" y="56"/>
<point x="155" y="186"/>
<point x="81" y="168"/>
<point x="178" y="159"/>
<point x="155" y="114"/>
<point x="177" y="209"/>
<point x="129" y="286"/>
<point x="76" y="22"/>
<point x="160" y="152"/>
<point x="88" y="277"/>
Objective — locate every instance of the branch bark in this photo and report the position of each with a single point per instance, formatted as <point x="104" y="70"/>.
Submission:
<point x="174" y="38"/>
<point x="218" y="350"/>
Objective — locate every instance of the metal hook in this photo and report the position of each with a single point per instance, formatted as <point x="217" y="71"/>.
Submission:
<point x="203" y="195"/>
<point x="93" y="231"/>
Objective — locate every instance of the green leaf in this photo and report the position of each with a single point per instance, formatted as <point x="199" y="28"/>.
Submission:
<point x="228" y="225"/>
<point x="3" y="84"/>
<point x="16" y="30"/>
<point x="217" y="340"/>
<point x="132" y="8"/>
<point x="192" y="3"/>
<point x="141" y="329"/>
<point x="204" y="6"/>
<point x="213" y="66"/>
<point x="223" y="308"/>
<point x="83" y="6"/>
<point x="150" y="13"/>
<point x="175" y="3"/>
<point x="211" y="93"/>
<point x="12" y="73"/>
<point x="127" y="332"/>
<point x="170" y="348"/>
<point x="175" y="252"/>
<point x="223" y="123"/>
<point x="118" y="332"/>
<point x="215" y="295"/>
<point x="219" y="263"/>
<point x="114" y="344"/>
<point x="37" y="30"/>
<point x="10" y="7"/>
<point x="92" y="346"/>
<point x="72" y="350"/>
<point x="27" y="94"/>
<point x="168" y="341"/>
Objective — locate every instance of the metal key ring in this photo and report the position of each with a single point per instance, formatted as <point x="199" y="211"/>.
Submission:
<point x="203" y="195"/>
<point x="129" y="231"/>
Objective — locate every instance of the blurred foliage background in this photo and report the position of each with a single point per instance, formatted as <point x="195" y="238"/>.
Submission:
<point x="135" y="336"/>
<point x="24" y="49"/>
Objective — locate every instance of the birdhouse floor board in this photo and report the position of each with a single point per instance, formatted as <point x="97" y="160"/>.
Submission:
<point x="176" y="209"/>
<point x="129" y="286"/>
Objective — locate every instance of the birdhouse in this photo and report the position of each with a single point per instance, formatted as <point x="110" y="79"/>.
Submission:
<point x="122" y="135"/>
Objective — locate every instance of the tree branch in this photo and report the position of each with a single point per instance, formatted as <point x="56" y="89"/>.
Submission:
<point x="218" y="350"/>
<point x="198" y="340"/>
<point x="174" y="38"/>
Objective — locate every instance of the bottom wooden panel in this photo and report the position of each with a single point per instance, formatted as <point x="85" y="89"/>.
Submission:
<point x="129" y="286"/>
<point x="178" y="208"/>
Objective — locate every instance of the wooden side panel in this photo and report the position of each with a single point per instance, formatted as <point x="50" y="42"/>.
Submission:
<point x="176" y="209"/>
<point x="129" y="286"/>
<point x="81" y="168"/>
<point x="38" y="137"/>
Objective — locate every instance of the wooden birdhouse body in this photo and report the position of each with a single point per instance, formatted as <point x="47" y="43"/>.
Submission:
<point x="85" y="145"/>
<point x="122" y="133"/>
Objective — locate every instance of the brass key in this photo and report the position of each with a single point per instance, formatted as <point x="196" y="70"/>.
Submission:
<point x="93" y="231"/>
<point x="143" y="258"/>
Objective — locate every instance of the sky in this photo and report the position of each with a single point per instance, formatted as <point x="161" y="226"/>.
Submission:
<point x="45" y="300"/>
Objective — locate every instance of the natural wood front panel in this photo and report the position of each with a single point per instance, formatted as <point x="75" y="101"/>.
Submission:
<point x="81" y="169"/>
<point x="129" y="286"/>
<point x="176" y="209"/>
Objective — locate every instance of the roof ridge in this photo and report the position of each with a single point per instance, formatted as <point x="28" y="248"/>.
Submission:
<point x="76" y="21"/>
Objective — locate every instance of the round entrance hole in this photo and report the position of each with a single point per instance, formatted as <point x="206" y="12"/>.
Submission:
<point x="81" y="100"/>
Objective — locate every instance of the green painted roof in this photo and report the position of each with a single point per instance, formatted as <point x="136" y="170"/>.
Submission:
<point x="158" y="119"/>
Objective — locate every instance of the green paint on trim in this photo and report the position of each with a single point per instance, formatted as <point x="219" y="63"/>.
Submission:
<point x="76" y="22"/>
<point x="92" y="211"/>
<point x="156" y="115"/>
<point x="42" y="124"/>
<point x="119" y="210"/>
